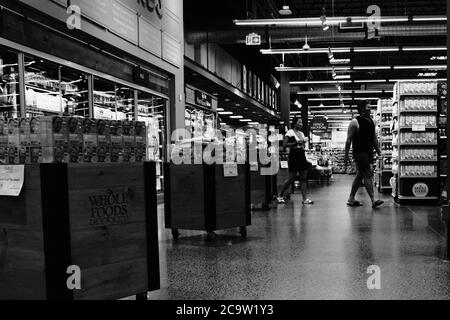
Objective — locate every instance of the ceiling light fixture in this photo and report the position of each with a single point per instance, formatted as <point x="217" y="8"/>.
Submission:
<point x="355" y="49"/>
<point x="245" y="120"/>
<point x="285" y="10"/>
<point x="236" y="117"/>
<point x="226" y="113"/>
<point x="335" y="20"/>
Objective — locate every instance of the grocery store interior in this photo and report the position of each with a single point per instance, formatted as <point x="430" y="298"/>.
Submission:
<point x="185" y="150"/>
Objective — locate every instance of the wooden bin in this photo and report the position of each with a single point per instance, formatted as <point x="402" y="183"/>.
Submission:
<point x="199" y="197"/>
<point x="261" y="190"/>
<point x="99" y="217"/>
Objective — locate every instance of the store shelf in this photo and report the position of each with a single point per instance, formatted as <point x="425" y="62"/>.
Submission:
<point x="418" y="111"/>
<point x="405" y="95"/>
<point x="424" y="160"/>
<point x="418" y="177"/>
<point x="417" y="198"/>
<point x="434" y="144"/>
<point x="386" y="171"/>
<point x="427" y="127"/>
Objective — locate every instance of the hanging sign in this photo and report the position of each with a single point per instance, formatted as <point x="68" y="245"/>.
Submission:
<point x="11" y="180"/>
<point x="253" y="39"/>
<point x="420" y="190"/>
<point x="319" y="125"/>
<point x="230" y="170"/>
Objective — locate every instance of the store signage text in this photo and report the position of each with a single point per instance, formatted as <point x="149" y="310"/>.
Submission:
<point x="109" y="208"/>
<point x="420" y="190"/>
<point x="253" y="39"/>
<point x="152" y="5"/>
<point x="319" y="125"/>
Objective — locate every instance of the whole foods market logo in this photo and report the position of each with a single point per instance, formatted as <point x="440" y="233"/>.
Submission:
<point x="420" y="190"/>
<point x="109" y="208"/>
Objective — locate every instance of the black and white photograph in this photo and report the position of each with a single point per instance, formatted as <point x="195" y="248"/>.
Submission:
<point x="224" y="158"/>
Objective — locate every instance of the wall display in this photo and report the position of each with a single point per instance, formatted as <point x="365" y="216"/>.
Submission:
<point x="442" y="138"/>
<point x="416" y="153"/>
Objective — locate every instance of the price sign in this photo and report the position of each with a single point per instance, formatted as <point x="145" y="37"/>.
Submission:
<point x="419" y="127"/>
<point x="11" y="180"/>
<point x="254" y="166"/>
<point x="230" y="170"/>
<point x="284" y="165"/>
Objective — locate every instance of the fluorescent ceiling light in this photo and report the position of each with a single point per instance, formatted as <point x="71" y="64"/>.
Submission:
<point x="372" y="81"/>
<point x="225" y="113"/>
<point x="342" y="77"/>
<point x="355" y="49"/>
<point x="344" y="91"/>
<point x="312" y="68"/>
<point x="245" y="120"/>
<point x="372" y="68"/>
<point x="220" y="109"/>
<point x="236" y="117"/>
<point x="253" y="123"/>
<point x="440" y="67"/>
<point x="333" y="20"/>
<point x="441" y="48"/>
<point x="344" y="99"/>
<point x="321" y="82"/>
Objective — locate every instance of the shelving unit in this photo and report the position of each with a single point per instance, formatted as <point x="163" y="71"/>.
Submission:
<point x="384" y="164"/>
<point x="442" y="139"/>
<point x="417" y="142"/>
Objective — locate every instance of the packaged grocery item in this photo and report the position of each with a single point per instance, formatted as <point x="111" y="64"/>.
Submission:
<point x="140" y="131"/>
<point x="35" y="146"/>
<point x="104" y="140"/>
<point x="54" y="139"/>
<point x="128" y="141"/>
<point x="116" y="141"/>
<point x="90" y="141"/>
<point x="75" y="136"/>
<point x="3" y="142"/>
<point x="24" y="138"/>
<point x="13" y="141"/>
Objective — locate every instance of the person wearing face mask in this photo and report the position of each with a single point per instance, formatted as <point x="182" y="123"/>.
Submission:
<point x="361" y="134"/>
<point x="296" y="141"/>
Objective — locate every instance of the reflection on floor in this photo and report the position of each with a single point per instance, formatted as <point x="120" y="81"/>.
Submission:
<point x="312" y="252"/>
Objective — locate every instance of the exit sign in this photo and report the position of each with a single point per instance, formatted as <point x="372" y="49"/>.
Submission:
<point x="253" y="39"/>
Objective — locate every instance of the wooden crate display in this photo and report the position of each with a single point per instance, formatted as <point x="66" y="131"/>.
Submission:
<point x="200" y="197"/>
<point x="99" y="217"/>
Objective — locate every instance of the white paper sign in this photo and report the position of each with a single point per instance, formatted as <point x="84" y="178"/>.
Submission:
<point x="11" y="180"/>
<point x="284" y="165"/>
<point x="420" y="127"/>
<point x="230" y="170"/>
<point x="254" y="166"/>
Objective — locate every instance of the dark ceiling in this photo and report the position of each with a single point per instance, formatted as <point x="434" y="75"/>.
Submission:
<point x="212" y="21"/>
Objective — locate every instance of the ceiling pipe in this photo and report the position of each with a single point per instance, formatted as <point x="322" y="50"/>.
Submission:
<point x="289" y="34"/>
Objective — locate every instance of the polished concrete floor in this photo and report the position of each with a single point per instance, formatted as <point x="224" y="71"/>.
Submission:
<point x="312" y="252"/>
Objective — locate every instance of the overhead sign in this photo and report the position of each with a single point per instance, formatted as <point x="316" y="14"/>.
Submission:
<point x="319" y="125"/>
<point x="253" y="39"/>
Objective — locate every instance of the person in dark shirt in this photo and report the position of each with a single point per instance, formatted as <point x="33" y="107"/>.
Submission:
<point x="361" y="134"/>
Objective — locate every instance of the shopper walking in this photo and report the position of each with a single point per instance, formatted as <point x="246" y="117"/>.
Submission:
<point x="361" y="134"/>
<point x="295" y="140"/>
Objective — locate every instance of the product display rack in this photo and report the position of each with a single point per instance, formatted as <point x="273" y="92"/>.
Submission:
<point x="442" y="139"/>
<point x="385" y="137"/>
<point x="417" y="141"/>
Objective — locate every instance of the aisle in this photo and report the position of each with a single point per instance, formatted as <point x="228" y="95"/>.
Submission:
<point x="316" y="252"/>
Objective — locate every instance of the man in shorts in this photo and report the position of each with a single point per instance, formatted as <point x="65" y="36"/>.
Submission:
<point x="361" y="134"/>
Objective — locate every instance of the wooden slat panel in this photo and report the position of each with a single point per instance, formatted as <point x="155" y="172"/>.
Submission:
<point x="187" y="195"/>
<point x="85" y="214"/>
<point x="102" y="176"/>
<point x="101" y="246"/>
<point x="113" y="281"/>
<point x="16" y="284"/>
<point x="22" y="249"/>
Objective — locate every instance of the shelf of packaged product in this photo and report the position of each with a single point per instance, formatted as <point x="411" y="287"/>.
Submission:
<point x="420" y="160"/>
<point x="427" y="128"/>
<point x="385" y="126"/>
<point x="386" y="141"/>
<point x="418" y="111"/>
<point x="386" y="155"/>
<point x="418" y="144"/>
<point x="41" y="110"/>
<point x="46" y="90"/>
<point x="418" y="177"/>
<point x="387" y="171"/>
<point x="417" y="198"/>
